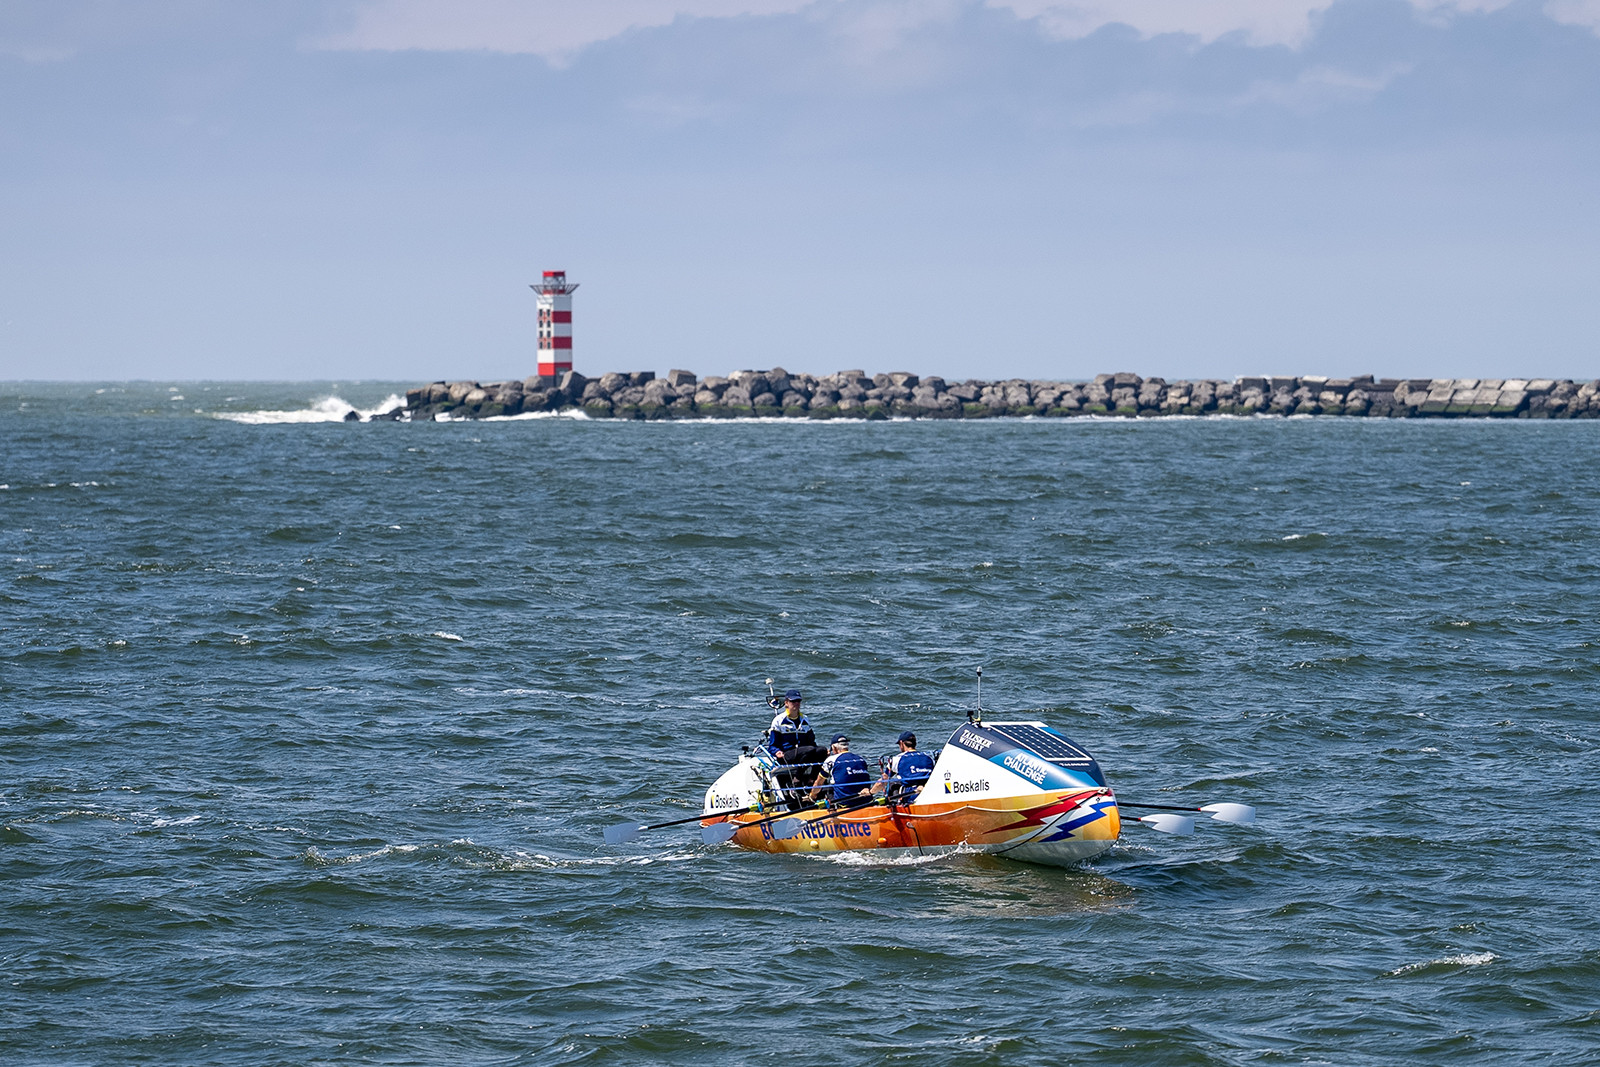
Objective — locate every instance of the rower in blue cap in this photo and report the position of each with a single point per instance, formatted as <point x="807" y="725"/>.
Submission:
<point x="906" y="772"/>
<point x="793" y="743"/>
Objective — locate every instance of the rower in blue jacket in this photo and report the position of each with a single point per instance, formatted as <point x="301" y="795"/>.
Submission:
<point x="844" y="775"/>
<point x="793" y="744"/>
<point x="907" y="772"/>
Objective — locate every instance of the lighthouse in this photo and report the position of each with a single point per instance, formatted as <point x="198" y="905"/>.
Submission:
<point x="555" y="323"/>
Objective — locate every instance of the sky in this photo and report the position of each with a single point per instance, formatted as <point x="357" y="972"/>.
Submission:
<point x="315" y="189"/>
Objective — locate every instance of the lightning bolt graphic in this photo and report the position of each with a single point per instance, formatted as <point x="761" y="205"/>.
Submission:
<point x="1038" y="816"/>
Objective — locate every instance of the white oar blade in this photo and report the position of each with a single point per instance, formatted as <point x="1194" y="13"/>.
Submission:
<point x="1180" y="825"/>
<point x="784" y="829"/>
<point x="1242" y="814"/>
<point x="719" y="832"/>
<point x="622" y="833"/>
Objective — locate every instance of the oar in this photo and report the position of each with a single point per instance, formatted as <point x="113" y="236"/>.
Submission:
<point x="783" y="832"/>
<point x="623" y="832"/>
<point x="1183" y="825"/>
<point x="788" y="824"/>
<point x="718" y="832"/>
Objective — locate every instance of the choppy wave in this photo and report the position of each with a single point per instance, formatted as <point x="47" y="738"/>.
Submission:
<point x="328" y="409"/>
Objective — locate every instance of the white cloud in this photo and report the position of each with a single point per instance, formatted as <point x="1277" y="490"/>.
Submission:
<point x="36" y="53"/>
<point x="1261" y="22"/>
<point x="554" y="29"/>
<point x="558" y="29"/>
<point x="1311" y="90"/>
<point x="1575" y="12"/>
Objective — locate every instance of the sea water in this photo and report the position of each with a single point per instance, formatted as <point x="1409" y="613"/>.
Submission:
<point x="309" y="732"/>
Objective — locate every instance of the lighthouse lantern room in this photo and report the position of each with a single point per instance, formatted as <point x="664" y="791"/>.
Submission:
<point x="555" y="323"/>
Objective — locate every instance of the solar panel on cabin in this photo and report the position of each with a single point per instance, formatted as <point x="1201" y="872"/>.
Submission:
<point x="1050" y="746"/>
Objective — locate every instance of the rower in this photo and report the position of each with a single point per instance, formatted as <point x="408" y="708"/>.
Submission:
<point x="844" y="774"/>
<point x="906" y="772"/>
<point x="793" y="744"/>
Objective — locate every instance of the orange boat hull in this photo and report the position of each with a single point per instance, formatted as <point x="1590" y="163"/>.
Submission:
<point x="1061" y="829"/>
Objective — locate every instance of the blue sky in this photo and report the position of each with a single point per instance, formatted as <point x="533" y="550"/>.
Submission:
<point x="364" y="188"/>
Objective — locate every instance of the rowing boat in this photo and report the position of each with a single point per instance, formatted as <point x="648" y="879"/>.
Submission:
<point x="1020" y="789"/>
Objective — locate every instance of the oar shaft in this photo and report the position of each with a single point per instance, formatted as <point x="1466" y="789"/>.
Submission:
<point x="1155" y="807"/>
<point x="797" y="814"/>
<point x="696" y="818"/>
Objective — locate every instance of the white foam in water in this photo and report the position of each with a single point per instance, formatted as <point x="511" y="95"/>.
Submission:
<point x="1466" y="959"/>
<point x="328" y="409"/>
<point x="564" y="413"/>
<point x="446" y="635"/>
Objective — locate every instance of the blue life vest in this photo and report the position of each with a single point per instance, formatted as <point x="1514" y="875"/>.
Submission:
<point x="911" y="771"/>
<point x="850" y="775"/>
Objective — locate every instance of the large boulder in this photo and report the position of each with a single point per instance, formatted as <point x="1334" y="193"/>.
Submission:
<point x="1438" y="398"/>
<point x="676" y="378"/>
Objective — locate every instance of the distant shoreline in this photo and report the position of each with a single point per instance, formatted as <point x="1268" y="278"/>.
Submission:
<point x="852" y="394"/>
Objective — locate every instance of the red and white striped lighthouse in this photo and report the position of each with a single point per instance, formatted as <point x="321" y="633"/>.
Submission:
<point x="555" y="323"/>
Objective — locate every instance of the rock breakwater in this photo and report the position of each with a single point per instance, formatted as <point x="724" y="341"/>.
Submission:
<point x="900" y="394"/>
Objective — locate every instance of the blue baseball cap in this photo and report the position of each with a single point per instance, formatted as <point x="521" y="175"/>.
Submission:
<point x="909" y="738"/>
<point x="841" y="739"/>
<point x="791" y="694"/>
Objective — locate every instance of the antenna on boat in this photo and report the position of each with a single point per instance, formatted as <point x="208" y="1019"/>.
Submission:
<point x="977" y="717"/>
